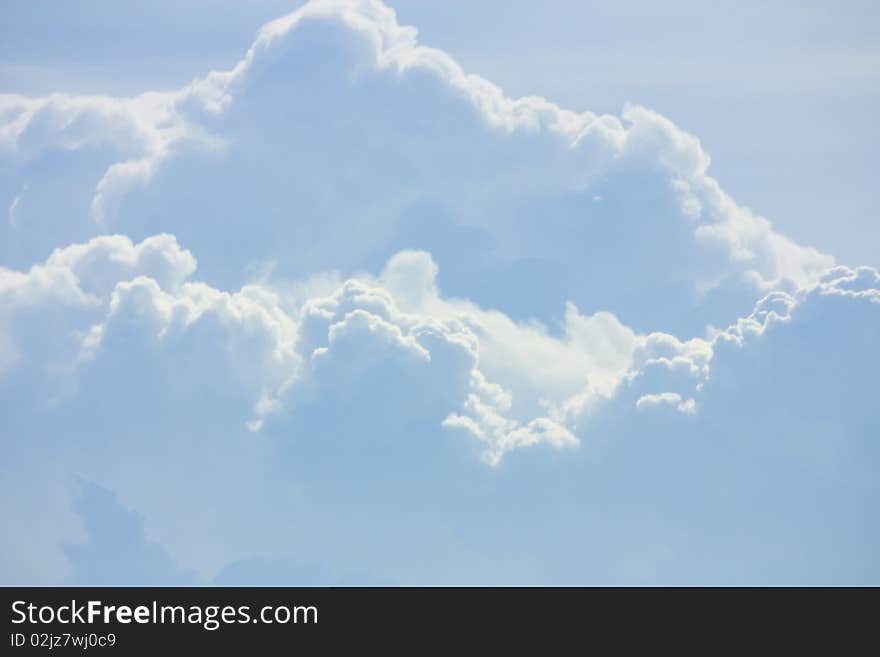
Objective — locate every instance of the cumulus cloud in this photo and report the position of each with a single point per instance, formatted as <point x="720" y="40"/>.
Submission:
<point x="69" y="289"/>
<point x="342" y="344"/>
<point x="357" y="373"/>
<point x="425" y="132"/>
<point x="404" y="276"/>
<point x="507" y="383"/>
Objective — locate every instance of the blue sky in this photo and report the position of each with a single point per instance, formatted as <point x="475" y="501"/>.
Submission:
<point x="567" y="294"/>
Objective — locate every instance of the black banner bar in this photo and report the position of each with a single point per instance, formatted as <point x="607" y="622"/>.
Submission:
<point x="130" y="621"/>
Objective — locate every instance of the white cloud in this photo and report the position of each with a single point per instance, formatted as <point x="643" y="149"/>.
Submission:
<point x="673" y="399"/>
<point x="571" y="150"/>
<point x="72" y="288"/>
<point x="352" y="371"/>
<point x="508" y="383"/>
<point x="116" y="354"/>
<point x="144" y="291"/>
<point x="14" y="210"/>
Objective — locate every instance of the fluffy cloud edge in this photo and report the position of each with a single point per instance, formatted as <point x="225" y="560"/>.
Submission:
<point x="487" y="365"/>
